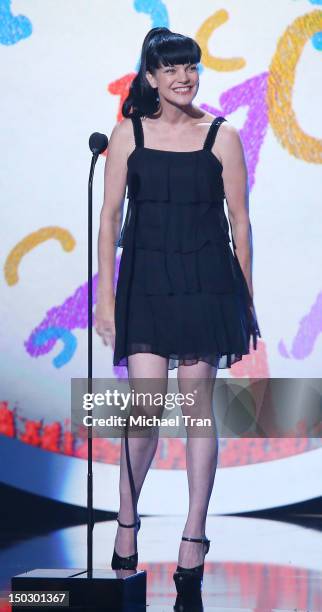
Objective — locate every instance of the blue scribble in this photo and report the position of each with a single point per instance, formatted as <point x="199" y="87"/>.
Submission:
<point x="316" y="1"/>
<point x="68" y="339"/>
<point x="317" y="41"/>
<point x="12" y="29"/>
<point x="157" y="10"/>
<point x="159" y="18"/>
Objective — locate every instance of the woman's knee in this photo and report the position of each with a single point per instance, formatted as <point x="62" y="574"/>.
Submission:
<point x="200" y="387"/>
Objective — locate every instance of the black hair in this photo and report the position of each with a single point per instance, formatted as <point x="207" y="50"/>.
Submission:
<point x="161" y="47"/>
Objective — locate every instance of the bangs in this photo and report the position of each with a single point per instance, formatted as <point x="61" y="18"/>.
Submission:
<point x="175" y="49"/>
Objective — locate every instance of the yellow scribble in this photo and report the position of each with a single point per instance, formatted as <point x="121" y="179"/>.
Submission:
<point x="202" y="37"/>
<point x="280" y="89"/>
<point x="30" y="242"/>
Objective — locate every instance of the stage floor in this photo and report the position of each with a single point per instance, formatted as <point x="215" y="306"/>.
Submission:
<point x="254" y="564"/>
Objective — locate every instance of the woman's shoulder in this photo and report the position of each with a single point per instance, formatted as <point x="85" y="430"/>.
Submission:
<point x="224" y="130"/>
<point x="122" y="136"/>
<point x="123" y="128"/>
<point x="227" y="132"/>
<point x="227" y="136"/>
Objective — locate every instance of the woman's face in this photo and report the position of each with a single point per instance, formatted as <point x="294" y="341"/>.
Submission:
<point x="178" y="83"/>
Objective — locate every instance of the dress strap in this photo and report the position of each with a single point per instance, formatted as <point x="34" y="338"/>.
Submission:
<point x="138" y="130"/>
<point x="212" y="132"/>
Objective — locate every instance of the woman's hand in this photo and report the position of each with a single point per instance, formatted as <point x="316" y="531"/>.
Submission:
<point x="104" y="321"/>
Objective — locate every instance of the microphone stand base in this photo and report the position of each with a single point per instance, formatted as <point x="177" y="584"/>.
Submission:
<point x="105" y="589"/>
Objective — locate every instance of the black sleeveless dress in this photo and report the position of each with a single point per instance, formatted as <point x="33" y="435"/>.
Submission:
<point x="180" y="292"/>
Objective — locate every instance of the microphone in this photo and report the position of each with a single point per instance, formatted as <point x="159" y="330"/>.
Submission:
<point x="98" y="143"/>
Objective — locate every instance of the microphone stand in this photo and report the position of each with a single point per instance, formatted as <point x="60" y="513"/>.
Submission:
<point x="88" y="590"/>
<point x="90" y="518"/>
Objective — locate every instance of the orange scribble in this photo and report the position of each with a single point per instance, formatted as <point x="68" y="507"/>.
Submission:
<point x="202" y="36"/>
<point x="280" y="85"/>
<point x="29" y="243"/>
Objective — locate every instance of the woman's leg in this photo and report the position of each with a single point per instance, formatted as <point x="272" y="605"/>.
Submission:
<point x="141" y="449"/>
<point x="201" y="457"/>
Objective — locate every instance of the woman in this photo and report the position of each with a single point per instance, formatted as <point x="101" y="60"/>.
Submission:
<point x="183" y="298"/>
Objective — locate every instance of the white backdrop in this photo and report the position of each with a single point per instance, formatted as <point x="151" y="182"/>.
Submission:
<point x="64" y="66"/>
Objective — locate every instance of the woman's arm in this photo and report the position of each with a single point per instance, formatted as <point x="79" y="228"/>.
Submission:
<point x="115" y="175"/>
<point x="111" y="214"/>
<point x="236" y="190"/>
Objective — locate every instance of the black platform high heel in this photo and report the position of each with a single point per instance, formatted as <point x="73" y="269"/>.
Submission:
<point x="188" y="580"/>
<point x="130" y="562"/>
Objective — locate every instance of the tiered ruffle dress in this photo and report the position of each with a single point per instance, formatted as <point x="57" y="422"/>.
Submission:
<point x="180" y="292"/>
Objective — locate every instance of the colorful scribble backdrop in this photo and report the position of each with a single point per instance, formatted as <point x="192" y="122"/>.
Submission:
<point x="65" y="71"/>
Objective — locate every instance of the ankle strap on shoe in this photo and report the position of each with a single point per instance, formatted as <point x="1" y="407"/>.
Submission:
<point x="129" y="526"/>
<point x="202" y="540"/>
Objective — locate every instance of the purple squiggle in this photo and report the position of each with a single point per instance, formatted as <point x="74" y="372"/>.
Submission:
<point x="250" y="93"/>
<point x="309" y="329"/>
<point x="72" y="314"/>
